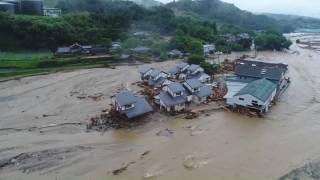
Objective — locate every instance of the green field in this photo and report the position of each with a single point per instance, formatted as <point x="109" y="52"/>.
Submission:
<point x="20" y="64"/>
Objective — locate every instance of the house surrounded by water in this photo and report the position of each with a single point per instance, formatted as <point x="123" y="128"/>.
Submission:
<point x="130" y="105"/>
<point x="257" y="95"/>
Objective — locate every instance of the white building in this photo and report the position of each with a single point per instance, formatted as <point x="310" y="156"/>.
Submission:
<point x="209" y="49"/>
<point x="257" y="95"/>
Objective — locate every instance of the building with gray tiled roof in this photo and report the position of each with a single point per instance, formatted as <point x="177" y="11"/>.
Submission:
<point x="131" y="106"/>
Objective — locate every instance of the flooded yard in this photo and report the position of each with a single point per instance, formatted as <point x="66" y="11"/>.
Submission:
<point x="43" y="134"/>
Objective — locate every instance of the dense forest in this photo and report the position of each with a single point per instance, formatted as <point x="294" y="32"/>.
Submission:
<point x="226" y="13"/>
<point x="189" y="24"/>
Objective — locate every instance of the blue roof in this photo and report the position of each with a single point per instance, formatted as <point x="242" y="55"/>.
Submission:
<point x="176" y="87"/>
<point x="141" y="106"/>
<point x="155" y="73"/>
<point x="205" y="91"/>
<point x="193" y="67"/>
<point x="194" y="83"/>
<point x="125" y="98"/>
<point x="173" y="70"/>
<point x="171" y="101"/>
<point x="144" y="69"/>
<point x="182" y="65"/>
<point x="158" y="82"/>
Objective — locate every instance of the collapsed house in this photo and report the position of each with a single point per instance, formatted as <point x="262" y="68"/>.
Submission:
<point x="131" y="106"/>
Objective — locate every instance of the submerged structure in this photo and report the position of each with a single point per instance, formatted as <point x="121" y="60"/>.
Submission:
<point x="131" y="106"/>
<point x="255" y="84"/>
<point x="257" y="95"/>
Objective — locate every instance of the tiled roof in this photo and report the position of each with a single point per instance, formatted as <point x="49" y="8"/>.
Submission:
<point x="261" y="89"/>
<point x="141" y="106"/>
<point x="171" y="101"/>
<point x="176" y="87"/>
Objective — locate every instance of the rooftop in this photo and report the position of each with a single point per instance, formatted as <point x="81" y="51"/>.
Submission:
<point x="171" y="101"/>
<point x="141" y="105"/>
<point x="194" y="83"/>
<point x="176" y="87"/>
<point x="155" y="73"/>
<point x="193" y="67"/>
<point x="261" y="89"/>
<point x="182" y="65"/>
<point x="145" y="68"/>
<point x="252" y="70"/>
<point x="205" y="91"/>
<point x="125" y="98"/>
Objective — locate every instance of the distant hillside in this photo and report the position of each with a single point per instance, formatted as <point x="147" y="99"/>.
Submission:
<point x="299" y="22"/>
<point x="226" y="13"/>
<point x="145" y="3"/>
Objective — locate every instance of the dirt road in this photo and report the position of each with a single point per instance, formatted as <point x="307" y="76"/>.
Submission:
<point x="42" y="130"/>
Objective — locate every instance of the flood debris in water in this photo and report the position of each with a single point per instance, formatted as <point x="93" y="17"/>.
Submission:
<point x="125" y="166"/>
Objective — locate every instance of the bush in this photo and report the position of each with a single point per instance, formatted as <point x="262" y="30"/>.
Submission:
<point x="272" y="41"/>
<point x="209" y="68"/>
<point x="196" y="59"/>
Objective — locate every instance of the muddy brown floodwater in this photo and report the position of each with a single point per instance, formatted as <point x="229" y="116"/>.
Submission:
<point x="43" y="136"/>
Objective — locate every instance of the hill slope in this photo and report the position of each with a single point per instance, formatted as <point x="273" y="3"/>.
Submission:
<point x="226" y="13"/>
<point x="299" y="22"/>
<point x="145" y="3"/>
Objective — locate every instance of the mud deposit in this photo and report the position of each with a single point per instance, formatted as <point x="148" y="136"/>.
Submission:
<point x="43" y="130"/>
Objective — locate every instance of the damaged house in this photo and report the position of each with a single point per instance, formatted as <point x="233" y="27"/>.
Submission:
<point x="257" y="95"/>
<point x="172" y="98"/>
<point x="198" y="92"/>
<point x="131" y="106"/>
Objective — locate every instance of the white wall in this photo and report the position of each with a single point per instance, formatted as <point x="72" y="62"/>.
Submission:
<point x="248" y="100"/>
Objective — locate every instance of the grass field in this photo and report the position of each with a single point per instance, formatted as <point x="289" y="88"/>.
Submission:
<point x="22" y="59"/>
<point x="22" y="64"/>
